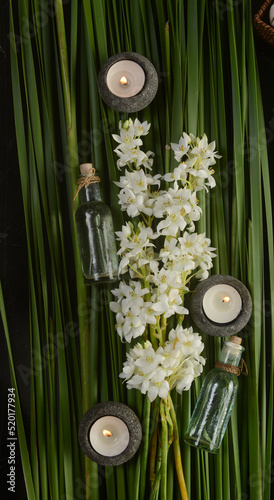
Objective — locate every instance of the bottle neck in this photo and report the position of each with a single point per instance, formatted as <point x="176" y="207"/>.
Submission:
<point x="90" y="193"/>
<point x="231" y="354"/>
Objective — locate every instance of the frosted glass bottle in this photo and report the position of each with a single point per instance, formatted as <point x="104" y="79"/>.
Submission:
<point x="96" y="237"/>
<point x="215" y="402"/>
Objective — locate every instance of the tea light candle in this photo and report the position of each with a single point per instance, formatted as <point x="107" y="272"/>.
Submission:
<point x="110" y="433"/>
<point x="271" y="15"/>
<point x="222" y="303"/>
<point x="125" y="78"/>
<point x="127" y="82"/>
<point x="109" y="436"/>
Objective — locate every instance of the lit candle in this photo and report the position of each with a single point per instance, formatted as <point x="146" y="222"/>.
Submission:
<point x="109" y="436"/>
<point x="222" y="303"/>
<point x="110" y="433"/>
<point x="127" y="82"/>
<point x="125" y="78"/>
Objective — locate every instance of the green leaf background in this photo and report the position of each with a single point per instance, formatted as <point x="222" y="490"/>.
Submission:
<point x="208" y="82"/>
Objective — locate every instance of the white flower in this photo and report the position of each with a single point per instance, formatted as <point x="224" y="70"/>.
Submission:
<point x="125" y="235"/>
<point x="130" y="154"/>
<point x="146" y="359"/>
<point x="127" y="134"/>
<point x="180" y="207"/>
<point x="169" y="304"/>
<point x="188" y="341"/>
<point x="148" y="161"/>
<point x="137" y="241"/>
<point x="205" y="150"/>
<point x="132" y="328"/>
<point x="148" y="256"/>
<point x="138" y="181"/>
<point x="147" y="314"/>
<point x="179" y="174"/>
<point x="141" y="128"/>
<point x="134" y="298"/>
<point x="190" y="244"/>
<point x="143" y="371"/>
<point x="162" y="201"/>
<point x="186" y="379"/>
<point x="176" y="364"/>
<point x="165" y="279"/>
<point x="182" y="354"/>
<point x="133" y="203"/>
<point x="170" y="250"/>
<point x="182" y="148"/>
<point x="175" y="221"/>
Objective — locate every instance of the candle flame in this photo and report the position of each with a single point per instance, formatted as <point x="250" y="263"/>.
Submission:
<point x="226" y="299"/>
<point x="123" y="80"/>
<point x="107" y="433"/>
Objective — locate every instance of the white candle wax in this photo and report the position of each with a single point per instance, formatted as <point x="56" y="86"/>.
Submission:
<point x="271" y="15"/>
<point x="125" y="78"/>
<point x="222" y="303"/>
<point x="109" y="436"/>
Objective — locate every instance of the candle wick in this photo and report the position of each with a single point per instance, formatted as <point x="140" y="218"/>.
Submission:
<point x="226" y="299"/>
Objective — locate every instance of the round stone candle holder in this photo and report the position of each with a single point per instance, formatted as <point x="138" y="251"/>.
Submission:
<point x="127" y="82"/>
<point x="220" y="305"/>
<point x="110" y="433"/>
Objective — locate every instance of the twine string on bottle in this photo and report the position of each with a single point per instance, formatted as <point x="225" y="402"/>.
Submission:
<point x="89" y="177"/>
<point x="236" y="370"/>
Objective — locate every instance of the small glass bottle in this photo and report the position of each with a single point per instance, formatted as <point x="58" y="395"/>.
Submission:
<point x="95" y="232"/>
<point x="216" y="399"/>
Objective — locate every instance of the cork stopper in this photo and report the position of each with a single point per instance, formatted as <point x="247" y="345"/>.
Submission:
<point x="86" y="168"/>
<point x="236" y="340"/>
<point x="88" y="176"/>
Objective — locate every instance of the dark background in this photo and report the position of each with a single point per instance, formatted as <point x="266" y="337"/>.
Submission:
<point x="13" y="249"/>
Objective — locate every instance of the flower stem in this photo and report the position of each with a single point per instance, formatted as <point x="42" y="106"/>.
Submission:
<point x="163" y="328"/>
<point x="177" y="452"/>
<point x="155" y="487"/>
<point x="164" y="444"/>
<point x="153" y="337"/>
<point x="146" y="417"/>
<point x="153" y="452"/>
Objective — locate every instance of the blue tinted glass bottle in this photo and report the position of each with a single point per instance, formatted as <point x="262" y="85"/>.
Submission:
<point x="96" y="236"/>
<point x="215" y="402"/>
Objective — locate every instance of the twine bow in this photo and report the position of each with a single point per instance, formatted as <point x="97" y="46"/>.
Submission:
<point x="237" y="370"/>
<point x="88" y="176"/>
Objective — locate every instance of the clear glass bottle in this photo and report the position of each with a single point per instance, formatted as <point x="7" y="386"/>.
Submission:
<point x="215" y="402"/>
<point x="96" y="237"/>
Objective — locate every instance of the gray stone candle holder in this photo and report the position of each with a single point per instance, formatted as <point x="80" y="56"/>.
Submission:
<point x="138" y="101"/>
<point x="220" y="329"/>
<point x="121" y="411"/>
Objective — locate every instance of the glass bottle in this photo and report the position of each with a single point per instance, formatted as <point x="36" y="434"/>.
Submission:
<point x="96" y="237"/>
<point x="215" y="402"/>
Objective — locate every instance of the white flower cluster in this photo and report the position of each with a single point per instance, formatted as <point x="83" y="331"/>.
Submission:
<point x="129" y="141"/>
<point x="133" y="313"/>
<point x="175" y="364"/>
<point x="161" y="252"/>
